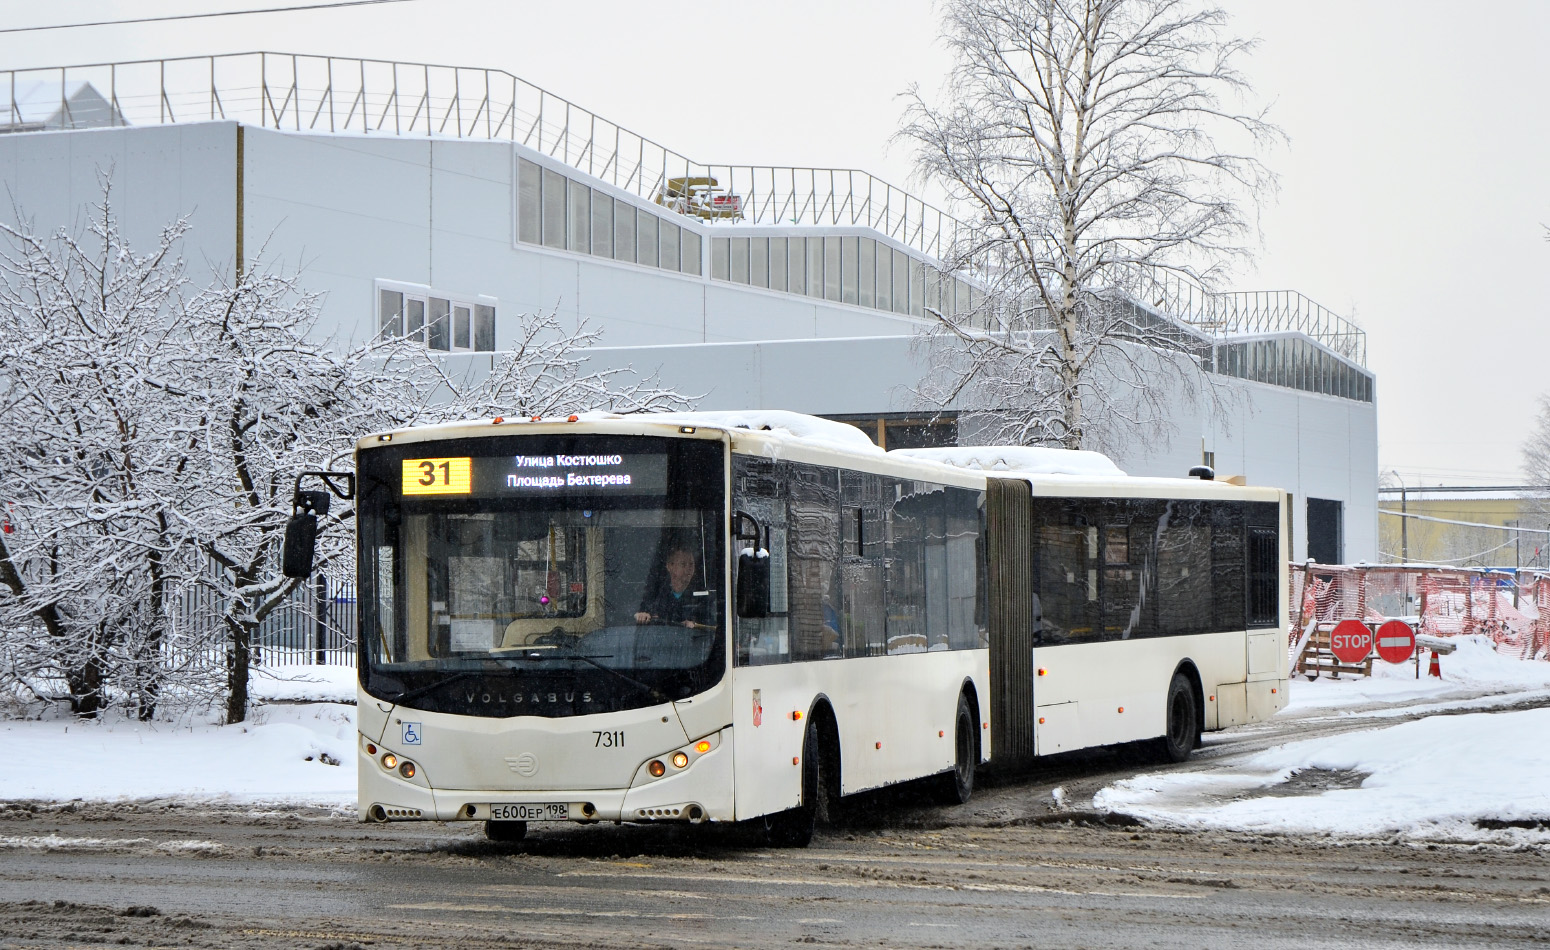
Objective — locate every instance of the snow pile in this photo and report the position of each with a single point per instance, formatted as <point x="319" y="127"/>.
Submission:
<point x="329" y="684"/>
<point x="1471" y="777"/>
<point x="303" y="753"/>
<point x="1476" y="667"/>
<point x="1476" y="777"/>
<point x="1028" y="460"/>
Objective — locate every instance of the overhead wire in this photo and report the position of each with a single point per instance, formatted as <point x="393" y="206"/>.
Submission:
<point x="199" y="16"/>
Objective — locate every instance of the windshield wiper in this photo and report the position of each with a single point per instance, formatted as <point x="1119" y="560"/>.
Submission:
<point x="406" y="695"/>
<point x="651" y="691"/>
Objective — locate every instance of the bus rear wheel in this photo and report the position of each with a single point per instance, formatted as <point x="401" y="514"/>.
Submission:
<point x="507" y="831"/>
<point x="957" y="787"/>
<point x="1183" y="721"/>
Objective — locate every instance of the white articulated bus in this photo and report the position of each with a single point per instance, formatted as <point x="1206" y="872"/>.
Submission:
<point x="719" y="617"/>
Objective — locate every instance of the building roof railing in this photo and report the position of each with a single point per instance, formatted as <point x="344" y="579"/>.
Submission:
<point x="309" y="93"/>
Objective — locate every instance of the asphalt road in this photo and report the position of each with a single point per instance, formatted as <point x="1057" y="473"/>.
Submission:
<point x="1012" y="869"/>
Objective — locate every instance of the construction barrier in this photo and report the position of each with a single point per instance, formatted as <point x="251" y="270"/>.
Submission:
<point x="1435" y="601"/>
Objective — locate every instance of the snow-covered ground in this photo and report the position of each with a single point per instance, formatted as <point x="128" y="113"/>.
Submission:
<point x="301" y="749"/>
<point x="1460" y="777"/>
<point x="1455" y="777"/>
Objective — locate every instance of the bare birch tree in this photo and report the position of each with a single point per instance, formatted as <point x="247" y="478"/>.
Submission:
<point x="1081" y="139"/>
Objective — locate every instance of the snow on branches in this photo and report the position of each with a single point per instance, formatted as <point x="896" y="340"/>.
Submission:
<point x="154" y="432"/>
<point x="1082" y="139"/>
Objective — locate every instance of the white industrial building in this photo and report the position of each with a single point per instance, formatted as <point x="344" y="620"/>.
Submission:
<point x="445" y="202"/>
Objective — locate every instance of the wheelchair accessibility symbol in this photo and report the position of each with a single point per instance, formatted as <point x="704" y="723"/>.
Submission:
<point x="411" y="733"/>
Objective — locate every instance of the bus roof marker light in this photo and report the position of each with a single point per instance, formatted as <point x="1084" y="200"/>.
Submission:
<point x="497" y="420"/>
<point x="686" y="430"/>
<point x="385" y="437"/>
<point x="536" y="419"/>
<point x="573" y="418"/>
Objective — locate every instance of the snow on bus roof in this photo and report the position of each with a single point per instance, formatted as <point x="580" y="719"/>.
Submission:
<point x="778" y="422"/>
<point x="1023" y="459"/>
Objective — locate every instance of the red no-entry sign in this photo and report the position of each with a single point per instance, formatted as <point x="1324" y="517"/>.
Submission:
<point x="1396" y="641"/>
<point x="1350" y="641"/>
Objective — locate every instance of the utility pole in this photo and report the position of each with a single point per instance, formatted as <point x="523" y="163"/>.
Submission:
<point x="1517" y="560"/>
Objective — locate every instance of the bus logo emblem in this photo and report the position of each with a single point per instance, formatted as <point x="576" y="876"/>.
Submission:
<point x="525" y="765"/>
<point x="758" y="709"/>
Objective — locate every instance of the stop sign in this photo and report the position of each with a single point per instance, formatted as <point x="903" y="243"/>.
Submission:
<point x="1350" y="641"/>
<point x="1396" y="641"/>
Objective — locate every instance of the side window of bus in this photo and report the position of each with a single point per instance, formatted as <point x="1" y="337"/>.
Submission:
<point x="863" y="617"/>
<point x="1065" y="570"/>
<point x="1228" y="567"/>
<point x="914" y="515"/>
<point x="1264" y="558"/>
<point x="1185" y="576"/>
<point x="814" y="591"/>
<point x="966" y="620"/>
<point x="759" y="489"/>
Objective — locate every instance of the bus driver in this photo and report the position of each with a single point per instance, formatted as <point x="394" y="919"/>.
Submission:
<point x="673" y="601"/>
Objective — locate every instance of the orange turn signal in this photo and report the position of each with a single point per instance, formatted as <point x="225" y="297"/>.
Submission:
<point x="796" y="714"/>
<point x="656" y="768"/>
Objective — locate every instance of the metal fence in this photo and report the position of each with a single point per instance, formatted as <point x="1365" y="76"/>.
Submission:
<point x="316" y="625"/>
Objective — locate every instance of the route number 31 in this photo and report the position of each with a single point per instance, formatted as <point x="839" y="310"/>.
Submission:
<point x="445" y="476"/>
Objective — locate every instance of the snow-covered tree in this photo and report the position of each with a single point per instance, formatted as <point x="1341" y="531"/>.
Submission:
<point x="94" y="549"/>
<point x="1096" y="148"/>
<point x="153" y="435"/>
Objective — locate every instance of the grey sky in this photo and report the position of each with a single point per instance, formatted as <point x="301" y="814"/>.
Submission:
<point x="1411" y="193"/>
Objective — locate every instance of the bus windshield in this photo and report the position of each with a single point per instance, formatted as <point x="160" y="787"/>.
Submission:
<point x="541" y="575"/>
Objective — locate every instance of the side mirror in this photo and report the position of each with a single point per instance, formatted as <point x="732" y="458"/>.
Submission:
<point x="753" y="583"/>
<point x="753" y="567"/>
<point x="301" y="533"/>
<point x="301" y="540"/>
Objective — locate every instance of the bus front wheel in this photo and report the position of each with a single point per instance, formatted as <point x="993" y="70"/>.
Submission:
<point x="505" y="830"/>
<point x="793" y="828"/>
<point x="1183" y="721"/>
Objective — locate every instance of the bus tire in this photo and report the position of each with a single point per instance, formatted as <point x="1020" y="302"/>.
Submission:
<point x="957" y="787"/>
<point x="1183" y="721"/>
<point x="793" y="828"/>
<point x="507" y="831"/>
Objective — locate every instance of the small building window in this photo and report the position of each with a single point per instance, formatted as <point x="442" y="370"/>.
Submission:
<point x="446" y="322"/>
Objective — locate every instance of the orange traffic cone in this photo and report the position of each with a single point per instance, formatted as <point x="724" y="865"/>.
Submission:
<point x="1436" y="668"/>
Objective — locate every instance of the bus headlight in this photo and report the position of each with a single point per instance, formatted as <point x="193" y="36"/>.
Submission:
<point x="390" y="761"/>
<point x="680" y="760"/>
